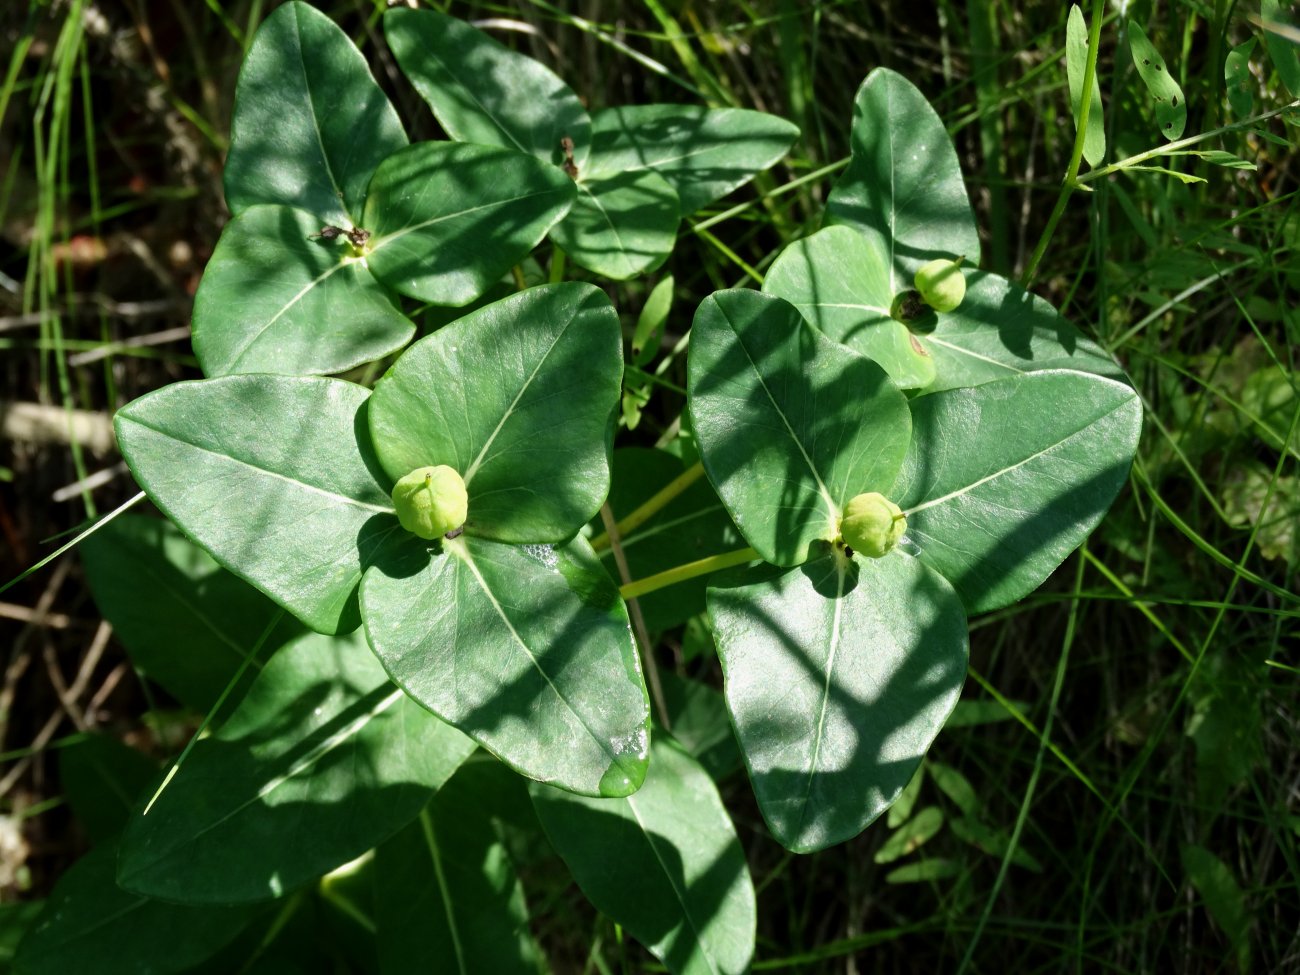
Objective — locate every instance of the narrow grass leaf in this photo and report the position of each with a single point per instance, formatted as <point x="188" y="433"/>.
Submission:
<point x="1281" y="46"/>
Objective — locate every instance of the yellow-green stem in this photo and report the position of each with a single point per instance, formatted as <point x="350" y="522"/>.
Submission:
<point x="651" y="507"/>
<point x="680" y="573"/>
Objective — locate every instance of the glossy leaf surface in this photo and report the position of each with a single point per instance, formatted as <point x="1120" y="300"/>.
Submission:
<point x="1076" y="62"/>
<point x="664" y="863"/>
<point x="791" y="425"/>
<point x="903" y="187"/>
<point x="448" y="219"/>
<point x="481" y="91"/>
<point x="268" y="474"/>
<point x="694" y="525"/>
<point x="310" y="124"/>
<point x="527" y="650"/>
<point x="1003" y="481"/>
<point x="323" y="759"/>
<point x="838" y="678"/>
<point x="840" y="284"/>
<point x="162" y="592"/>
<point x="90" y="924"/>
<point x="703" y="153"/>
<point x="621" y="224"/>
<point x="273" y="299"/>
<point x="517" y="397"/>
<point x="448" y="897"/>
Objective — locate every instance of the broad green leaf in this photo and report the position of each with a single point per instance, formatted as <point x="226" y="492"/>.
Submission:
<point x="1076" y="66"/>
<point x="923" y="870"/>
<point x="839" y="674"/>
<point x="664" y="863"/>
<point x="1002" y="330"/>
<point x="840" y="284"/>
<point x="101" y="779"/>
<point x="1279" y="39"/>
<point x="448" y="898"/>
<point x="448" y="219"/>
<point x="692" y="526"/>
<point x="955" y="786"/>
<point x="1170" y="107"/>
<point x="269" y="475"/>
<point x="903" y="187"/>
<point x="1238" y="80"/>
<point x="1003" y="481"/>
<point x="89" y="924"/>
<point x="902" y="807"/>
<point x="995" y="842"/>
<point x="791" y="425"/>
<point x="621" y="224"/>
<point x="16" y="919"/>
<point x="161" y="592"/>
<point x="1223" y="897"/>
<point x="481" y="91"/>
<point x="518" y="397"/>
<point x="527" y="650"/>
<point x="273" y="299"/>
<point x="700" y="723"/>
<point x="310" y="123"/>
<point x="911" y="835"/>
<point x="323" y="759"/>
<point x="704" y="153"/>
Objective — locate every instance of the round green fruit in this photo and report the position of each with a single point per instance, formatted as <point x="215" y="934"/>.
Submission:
<point x="941" y="284"/>
<point x="431" y="501"/>
<point x="872" y="525"/>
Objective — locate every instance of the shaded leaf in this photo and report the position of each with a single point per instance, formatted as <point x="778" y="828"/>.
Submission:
<point x="923" y="870"/>
<point x="791" y="425"/>
<point x="955" y="786"/>
<point x="527" y="650"/>
<point x="518" y="398"/>
<point x="310" y="124"/>
<point x="621" y="224"/>
<point x="902" y="806"/>
<point x="274" y="300"/>
<point x="1223" y="896"/>
<point x="664" y="863"/>
<point x="101" y="779"/>
<point x="995" y="842"/>
<point x="1076" y="66"/>
<point x="700" y="723"/>
<point x="322" y="760"/>
<point x="1280" y="43"/>
<point x="1002" y="481"/>
<point x="903" y="187"/>
<point x="448" y="219"/>
<point x="912" y="835"/>
<point x="481" y="91"/>
<point x="703" y="153"/>
<point x="838" y="677"/>
<point x="1238" y="80"/>
<point x="267" y="474"/>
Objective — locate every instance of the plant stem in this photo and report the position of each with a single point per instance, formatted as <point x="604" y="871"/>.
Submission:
<point x="680" y="573"/>
<point x="651" y="507"/>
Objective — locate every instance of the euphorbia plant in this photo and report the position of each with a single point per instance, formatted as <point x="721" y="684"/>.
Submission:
<point x="891" y="470"/>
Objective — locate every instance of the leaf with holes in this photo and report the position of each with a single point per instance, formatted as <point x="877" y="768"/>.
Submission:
<point x="1170" y="107"/>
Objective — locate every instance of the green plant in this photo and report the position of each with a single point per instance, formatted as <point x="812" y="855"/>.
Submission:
<point x="840" y="668"/>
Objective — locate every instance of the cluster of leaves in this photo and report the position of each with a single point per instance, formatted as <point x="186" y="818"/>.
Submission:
<point x="1001" y="431"/>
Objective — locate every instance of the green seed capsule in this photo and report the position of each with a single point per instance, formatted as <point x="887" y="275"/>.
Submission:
<point x="431" y="501"/>
<point x="872" y="525"/>
<point x="941" y="284"/>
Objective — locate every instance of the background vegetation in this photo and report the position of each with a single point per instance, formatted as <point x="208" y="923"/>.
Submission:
<point x="1138" y="731"/>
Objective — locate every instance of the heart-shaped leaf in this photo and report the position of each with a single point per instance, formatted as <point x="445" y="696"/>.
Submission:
<point x="90" y="924"/>
<point x="274" y="477"/>
<point x="1001" y="330"/>
<point x="447" y="896"/>
<point x="664" y="863"/>
<point x="840" y="284"/>
<point x="527" y="650"/>
<point x="481" y="91"/>
<point x="322" y="740"/>
<point x="903" y="187"/>
<point x="1004" y="480"/>
<point x="703" y="153"/>
<point x="1076" y="66"/>
<point x="161" y="591"/>
<point x="517" y="397"/>
<point x="791" y="425"/>
<point x="310" y="124"/>
<point x="448" y="219"/>
<point x="275" y="300"/>
<point x="839" y="675"/>
<point x="621" y="225"/>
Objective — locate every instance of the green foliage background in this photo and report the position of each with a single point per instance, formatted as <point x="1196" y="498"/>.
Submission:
<point x="1117" y="791"/>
